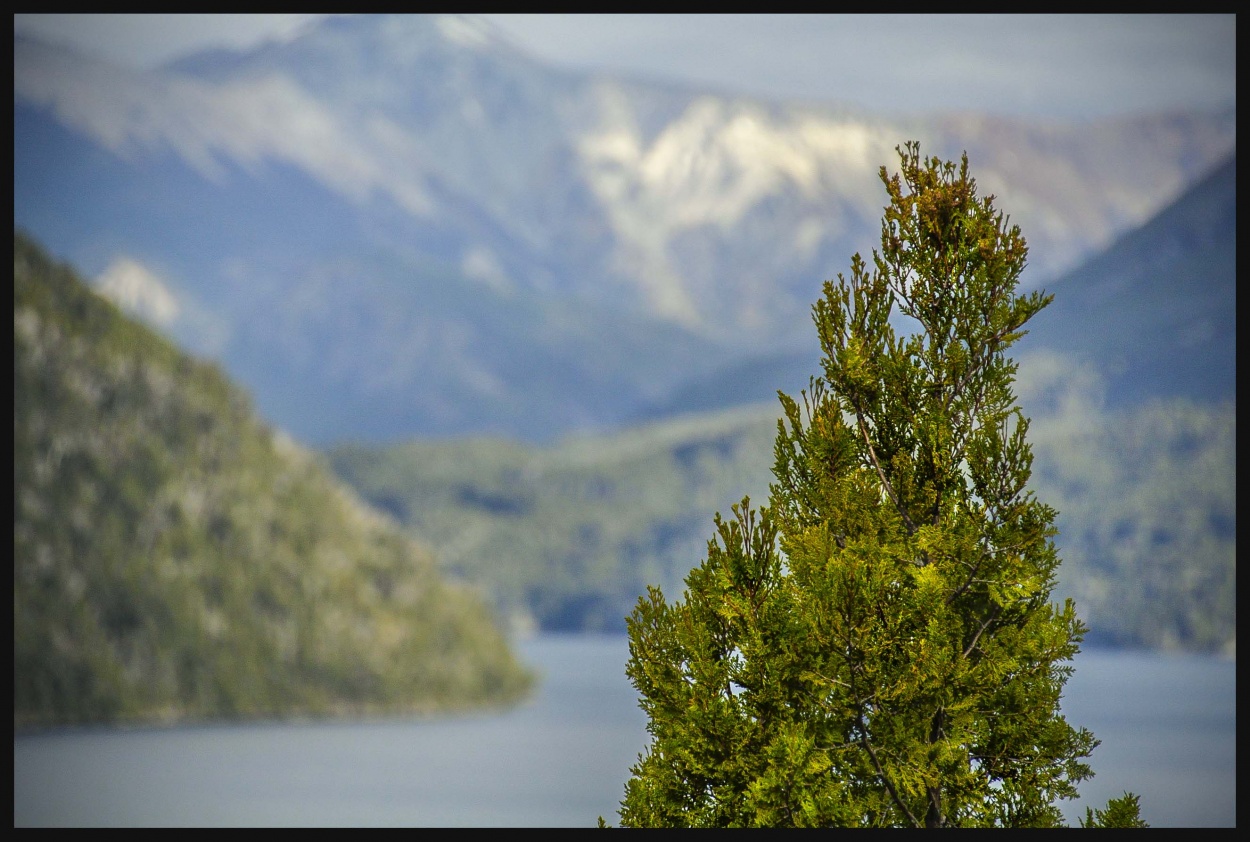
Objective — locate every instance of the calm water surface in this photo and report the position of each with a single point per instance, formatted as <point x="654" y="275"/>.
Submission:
<point x="1168" y="727"/>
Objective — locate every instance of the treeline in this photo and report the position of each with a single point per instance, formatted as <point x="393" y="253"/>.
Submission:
<point x="175" y="558"/>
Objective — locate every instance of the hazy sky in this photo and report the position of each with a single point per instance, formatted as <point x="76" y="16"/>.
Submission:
<point x="1046" y="65"/>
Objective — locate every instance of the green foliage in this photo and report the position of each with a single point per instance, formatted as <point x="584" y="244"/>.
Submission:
<point x="567" y="536"/>
<point x="877" y="646"/>
<point x="175" y="558"/>
<point x="1124" y="811"/>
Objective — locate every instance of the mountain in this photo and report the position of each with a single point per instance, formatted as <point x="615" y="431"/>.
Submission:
<point x="1154" y="314"/>
<point x="177" y="558"/>
<point x="1147" y="502"/>
<point x="1157" y="311"/>
<point x="402" y="225"/>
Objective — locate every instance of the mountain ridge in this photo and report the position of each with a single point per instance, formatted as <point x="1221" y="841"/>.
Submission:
<point x="1168" y="290"/>
<point x="709" y="220"/>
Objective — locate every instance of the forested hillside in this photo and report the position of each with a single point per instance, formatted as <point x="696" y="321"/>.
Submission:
<point x="176" y="558"/>
<point x="570" y="535"/>
<point x="1147" y="500"/>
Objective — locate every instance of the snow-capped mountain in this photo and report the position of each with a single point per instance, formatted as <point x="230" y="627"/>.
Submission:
<point x="403" y="224"/>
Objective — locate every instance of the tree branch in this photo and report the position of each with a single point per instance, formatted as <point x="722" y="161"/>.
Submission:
<point x="889" y="489"/>
<point x="881" y="772"/>
<point x="993" y="616"/>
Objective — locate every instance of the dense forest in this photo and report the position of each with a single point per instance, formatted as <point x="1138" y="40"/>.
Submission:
<point x="567" y="536"/>
<point x="1147" y="501"/>
<point x="176" y="558"/>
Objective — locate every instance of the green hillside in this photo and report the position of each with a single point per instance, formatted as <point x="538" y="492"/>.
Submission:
<point x="1147" y="500"/>
<point x="175" y="558"/>
<point x="569" y="536"/>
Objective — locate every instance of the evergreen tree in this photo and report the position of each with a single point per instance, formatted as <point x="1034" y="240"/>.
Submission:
<point x="877" y="646"/>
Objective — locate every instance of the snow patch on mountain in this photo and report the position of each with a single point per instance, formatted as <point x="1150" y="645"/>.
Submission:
<point x="138" y="290"/>
<point x="465" y="31"/>
<point x="710" y="168"/>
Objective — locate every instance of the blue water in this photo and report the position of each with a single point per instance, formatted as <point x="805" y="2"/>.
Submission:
<point x="1168" y="726"/>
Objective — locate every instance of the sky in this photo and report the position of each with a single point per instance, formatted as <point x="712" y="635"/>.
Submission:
<point x="1050" y="66"/>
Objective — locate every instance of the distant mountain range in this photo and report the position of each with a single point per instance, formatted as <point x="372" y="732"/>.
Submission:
<point x="402" y="225"/>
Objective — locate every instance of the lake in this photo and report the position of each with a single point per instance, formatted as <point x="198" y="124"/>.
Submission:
<point x="1167" y="724"/>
